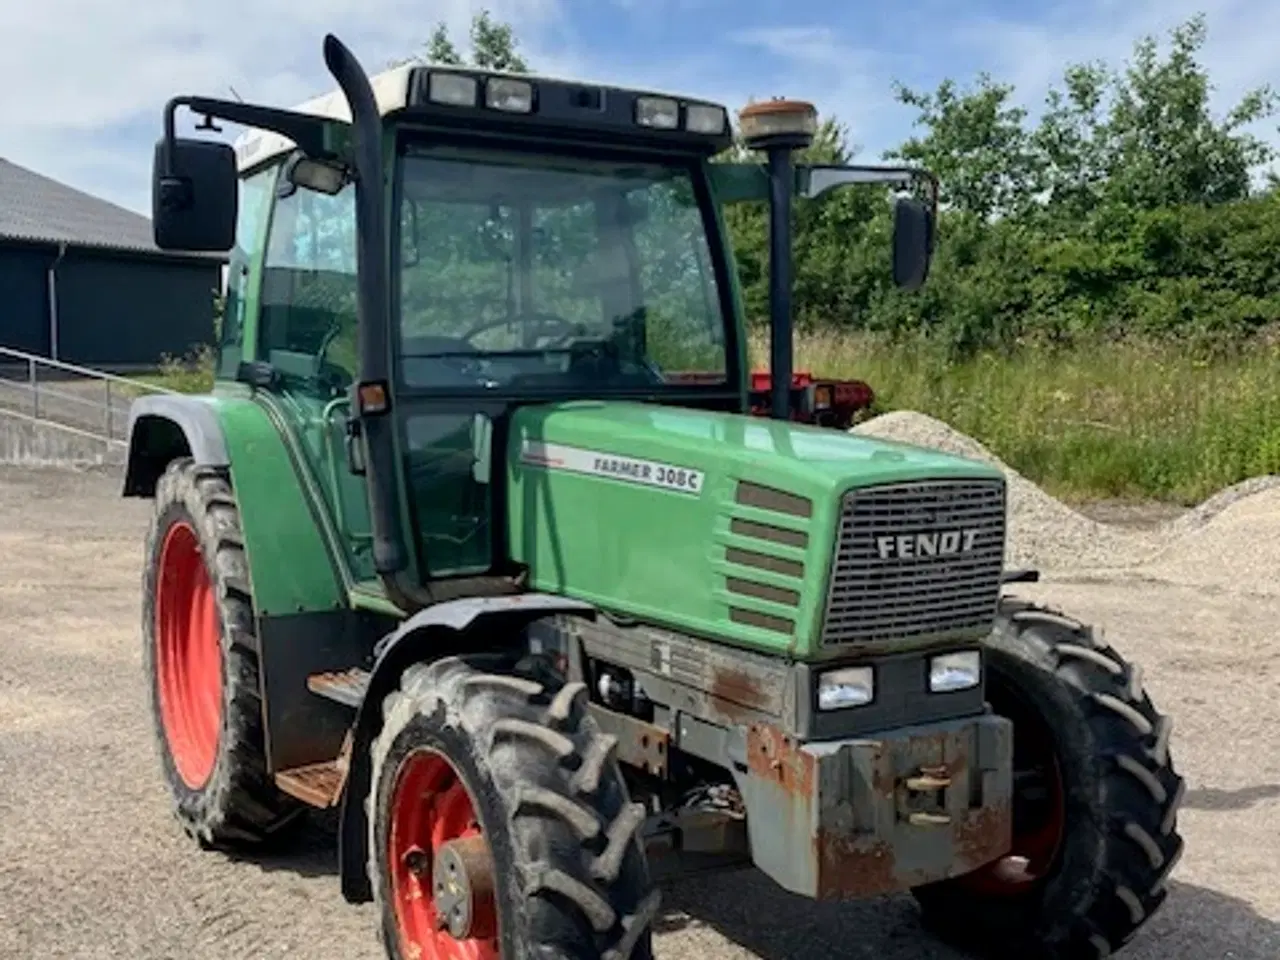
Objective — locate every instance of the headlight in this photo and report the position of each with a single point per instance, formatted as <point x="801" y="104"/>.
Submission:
<point x="703" y="118"/>
<point x="454" y="89"/>
<point x="850" y="687"/>
<point x="657" y="112"/>
<point x="951" y="672"/>
<point x="511" y="96"/>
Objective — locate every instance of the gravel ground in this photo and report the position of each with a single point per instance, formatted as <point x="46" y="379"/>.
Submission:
<point x="92" y="865"/>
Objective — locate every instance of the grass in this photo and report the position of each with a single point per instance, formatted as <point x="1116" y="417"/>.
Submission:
<point x="192" y="373"/>
<point x="1108" y="420"/>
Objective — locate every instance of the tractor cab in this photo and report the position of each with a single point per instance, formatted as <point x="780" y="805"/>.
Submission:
<point x="530" y="241"/>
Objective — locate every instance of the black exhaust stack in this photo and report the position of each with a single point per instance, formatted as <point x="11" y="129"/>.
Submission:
<point x="371" y="399"/>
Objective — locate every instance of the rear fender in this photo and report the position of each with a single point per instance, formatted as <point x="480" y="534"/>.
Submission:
<point x="166" y="426"/>
<point x="445" y="629"/>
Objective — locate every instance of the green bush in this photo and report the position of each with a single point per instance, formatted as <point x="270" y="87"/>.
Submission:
<point x="1102" y="419"/>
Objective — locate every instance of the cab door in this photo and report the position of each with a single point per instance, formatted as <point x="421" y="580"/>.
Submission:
<point x="307" y="335"/>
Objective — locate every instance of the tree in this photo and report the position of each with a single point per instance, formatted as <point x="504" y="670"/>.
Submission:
<point x="440" y="48"/>
<point x="976" y="143"/>
<point x="493" y="46"/>
<point x="1071" y="141"/>
<point x="1163" y="145"/>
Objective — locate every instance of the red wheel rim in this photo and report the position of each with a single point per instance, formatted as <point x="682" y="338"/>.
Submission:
<point x="1038" y="828"/>
<point x="430" y="807"/>
<point x="188" y="651"/>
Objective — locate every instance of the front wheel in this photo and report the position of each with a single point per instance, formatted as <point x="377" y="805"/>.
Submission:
<point x="1095" y="800"/>
<point x="500" y="826"/>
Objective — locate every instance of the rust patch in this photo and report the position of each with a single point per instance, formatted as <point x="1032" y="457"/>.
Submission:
<point x="640" y="744"/>
<point x="737" y="693"/>
<point x="774" y="756"/>
<point x="981" y="836"/>
<point x="847" y="868"/>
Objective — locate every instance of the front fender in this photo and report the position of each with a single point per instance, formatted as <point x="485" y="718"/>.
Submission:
<point x="470" y="625"/>
<point x="293" y="565"/>
<point x="164" y="426"/>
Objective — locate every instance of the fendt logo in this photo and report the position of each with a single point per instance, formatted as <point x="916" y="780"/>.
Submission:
<point x="913" y="546"/>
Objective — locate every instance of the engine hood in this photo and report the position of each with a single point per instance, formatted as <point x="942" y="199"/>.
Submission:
<point x="801" y="459"/>
<point x="658" y="511"/>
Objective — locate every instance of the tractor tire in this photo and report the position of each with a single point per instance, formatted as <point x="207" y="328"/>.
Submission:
<point x="1100" y="841"/>
<point x="515" y="771"/>
<point x="199" y="653"/>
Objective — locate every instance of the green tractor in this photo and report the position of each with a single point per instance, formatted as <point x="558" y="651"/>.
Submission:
<point x="476" y="541"/>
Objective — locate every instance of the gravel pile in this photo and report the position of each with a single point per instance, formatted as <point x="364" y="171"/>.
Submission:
<point x="1230" y="541"/>
<point x="1234" y="548"/>
<point x="1211" y="509"/>
<point x="1044" y="532"/>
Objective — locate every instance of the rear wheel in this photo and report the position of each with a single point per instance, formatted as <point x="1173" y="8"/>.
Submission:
<point x="1095" y="800"/>
<point x="500" y="825"/>
<point x="198" y="651"/>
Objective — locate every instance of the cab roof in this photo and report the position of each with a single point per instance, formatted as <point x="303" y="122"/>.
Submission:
<point x="403" y="88"/>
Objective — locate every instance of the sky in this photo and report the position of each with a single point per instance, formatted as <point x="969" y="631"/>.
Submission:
<point x="86" y="81"/>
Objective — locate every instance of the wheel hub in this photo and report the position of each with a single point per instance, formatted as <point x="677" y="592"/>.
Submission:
<point x="463" y="885"/>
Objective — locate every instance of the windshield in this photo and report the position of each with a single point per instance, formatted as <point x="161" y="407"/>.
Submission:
<point x="528" y="271"/>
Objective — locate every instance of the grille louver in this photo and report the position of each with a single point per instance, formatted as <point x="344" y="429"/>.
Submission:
<point x="916" y="559"/>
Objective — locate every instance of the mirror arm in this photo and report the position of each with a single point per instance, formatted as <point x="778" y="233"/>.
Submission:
<point x="305" y="130"/>
<point x="815" y="180"/>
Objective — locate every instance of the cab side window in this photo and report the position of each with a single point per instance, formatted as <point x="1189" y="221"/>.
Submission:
<point x="255" y="202"/>
<point x="309" y="283"/>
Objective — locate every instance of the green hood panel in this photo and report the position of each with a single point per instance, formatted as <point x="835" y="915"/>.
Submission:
<point x="810" y="461"/>
<point x="717" y="524"/>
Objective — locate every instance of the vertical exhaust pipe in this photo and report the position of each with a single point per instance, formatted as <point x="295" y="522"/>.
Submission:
<point x="371" y="401"/>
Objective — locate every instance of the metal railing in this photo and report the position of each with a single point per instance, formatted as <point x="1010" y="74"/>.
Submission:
<point x="84" y="399"/>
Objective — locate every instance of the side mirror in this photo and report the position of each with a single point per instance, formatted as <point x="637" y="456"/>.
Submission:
<point x="316" y="175"/>
<point x="194" y="196"/>
<point x="912" y="243"/>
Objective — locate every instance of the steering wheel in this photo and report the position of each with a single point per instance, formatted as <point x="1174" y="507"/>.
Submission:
<point x="526" y="319"/>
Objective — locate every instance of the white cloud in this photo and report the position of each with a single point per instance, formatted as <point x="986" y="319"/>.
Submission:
<point x="1239" y="53"/>
<point x="83" y="77"/>
<point x="855" y="82"/>
<point x="86" y="80"/>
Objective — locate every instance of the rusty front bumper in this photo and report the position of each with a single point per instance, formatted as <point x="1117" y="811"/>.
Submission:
<point x="859" y="818"/>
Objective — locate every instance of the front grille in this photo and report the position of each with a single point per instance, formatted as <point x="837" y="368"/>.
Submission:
<point x="915" y="559"/>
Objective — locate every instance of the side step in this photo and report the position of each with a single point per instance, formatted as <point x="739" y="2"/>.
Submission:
<point x="346" y="687"/>
<point x="319" y="784"/>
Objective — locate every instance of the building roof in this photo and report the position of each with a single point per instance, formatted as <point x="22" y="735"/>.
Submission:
<point x="37" y="209"/>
